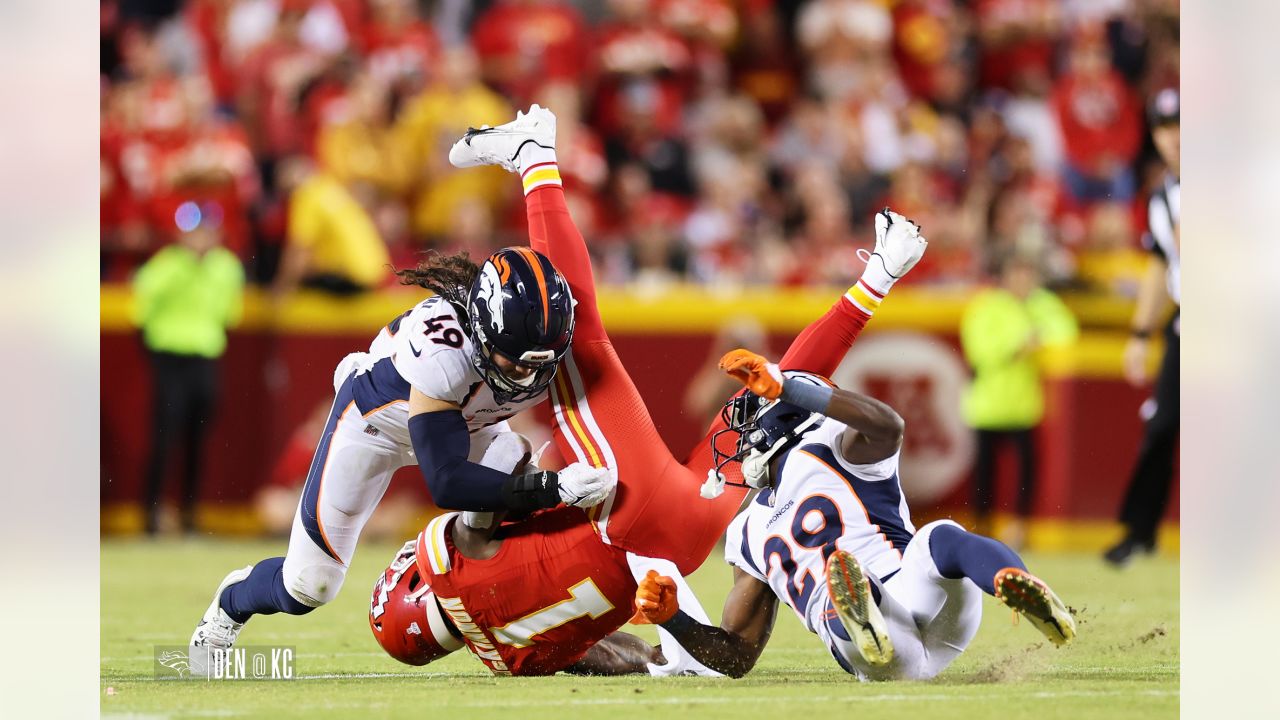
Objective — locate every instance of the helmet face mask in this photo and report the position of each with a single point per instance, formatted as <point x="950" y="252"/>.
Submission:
<point x="506" y="389"/>
<point x="520" y="309"/>
<point x="765" y="429"/>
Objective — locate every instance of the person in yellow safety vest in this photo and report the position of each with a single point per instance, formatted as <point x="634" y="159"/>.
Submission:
<point x="185" y="297"/>
<point x="1002" y="330"/>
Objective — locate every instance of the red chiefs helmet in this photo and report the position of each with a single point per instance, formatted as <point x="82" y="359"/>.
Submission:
<point x="404" y="616"/>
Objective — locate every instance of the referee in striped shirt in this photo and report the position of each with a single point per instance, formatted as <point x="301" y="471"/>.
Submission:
<point x="1148" y="494"/>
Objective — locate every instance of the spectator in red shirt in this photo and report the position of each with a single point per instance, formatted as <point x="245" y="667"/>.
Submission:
<point x="215" y="164"/>
<point x="207" y="19"/>
<point x="924" y="44"/>
<point x="125" y="238"/>
<point x="708" y="28"/>
<point x="272" y="80"/>
<point x="764" y="66"/>
<point x="194" y="155"/>
<point x="636" y="54"/>
<point x="399" y="48"/>
<point x="525" y="43"/>
<point x="1017" y="38"/>
<point x="1101" y="125"/>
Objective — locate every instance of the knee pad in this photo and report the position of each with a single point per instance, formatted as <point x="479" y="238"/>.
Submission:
<point x="314" y="585"/>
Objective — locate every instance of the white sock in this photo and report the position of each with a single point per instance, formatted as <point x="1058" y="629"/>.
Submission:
<point x="532" y="155"/>
<point x="869" y="291"/>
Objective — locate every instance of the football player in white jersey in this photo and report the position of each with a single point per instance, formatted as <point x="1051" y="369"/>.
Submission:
<point x="436" y="386"/>
<point x="830" y="536"/>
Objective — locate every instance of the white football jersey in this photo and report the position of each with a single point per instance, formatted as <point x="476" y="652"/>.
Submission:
<point x="428" y="349"/>
<point x="820" y="503"/>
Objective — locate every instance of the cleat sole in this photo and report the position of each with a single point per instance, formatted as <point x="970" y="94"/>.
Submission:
<point x="852" y="599"/>
<point x="1030" y="597"/>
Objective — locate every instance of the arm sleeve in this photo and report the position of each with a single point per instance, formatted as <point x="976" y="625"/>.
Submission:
<point x="552" y="233"/>
<point x="442" y="443"/>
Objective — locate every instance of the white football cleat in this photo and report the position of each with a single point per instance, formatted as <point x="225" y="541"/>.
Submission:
<point x="856" y="606"/>
<point x="898" y="242"/>
<point x="501" y="145"/>
<point x="216" y="629"/>
<point x="1032" y="598"/>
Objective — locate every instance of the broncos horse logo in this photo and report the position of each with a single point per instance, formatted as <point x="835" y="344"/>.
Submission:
<point x="176" y="660"/>
<point x="491" y="291"/>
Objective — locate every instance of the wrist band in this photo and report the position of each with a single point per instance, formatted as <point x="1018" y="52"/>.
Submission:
<point x="679" y="623"/>
<point x="531" y="491"/>
<point x="807" y="396"/>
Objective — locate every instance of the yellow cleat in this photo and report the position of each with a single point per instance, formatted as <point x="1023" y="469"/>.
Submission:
<point x="1031" y="597"/>
<point x="853" y="602"/>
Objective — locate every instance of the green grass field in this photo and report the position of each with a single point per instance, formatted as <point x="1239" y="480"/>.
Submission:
<point x="1124" y="664"/>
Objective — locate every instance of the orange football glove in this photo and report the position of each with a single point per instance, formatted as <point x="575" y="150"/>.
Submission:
<point x="656" y="600"/>
<point x="758" y="374"/>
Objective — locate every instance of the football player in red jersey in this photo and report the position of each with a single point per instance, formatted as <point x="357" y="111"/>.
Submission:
<point x="535" y="596"/>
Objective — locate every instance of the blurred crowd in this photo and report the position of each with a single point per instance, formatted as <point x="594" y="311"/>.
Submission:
<point x="719" y="142"/>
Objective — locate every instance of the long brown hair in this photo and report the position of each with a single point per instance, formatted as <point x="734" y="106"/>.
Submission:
<point x="449" y="276"/>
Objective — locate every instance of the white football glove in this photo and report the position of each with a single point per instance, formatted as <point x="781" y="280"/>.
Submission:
<point x="898" y="243"/>
<point x="584" y="486"/>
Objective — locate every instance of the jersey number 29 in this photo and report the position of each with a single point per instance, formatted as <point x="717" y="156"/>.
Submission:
<point x="822" y="538"/>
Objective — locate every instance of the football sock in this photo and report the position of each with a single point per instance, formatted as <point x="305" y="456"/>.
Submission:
<point x="869" y="291"/>
<point x="538" y="167"/>
<point x="262" y="593"/>
<point x="961" y="554"/>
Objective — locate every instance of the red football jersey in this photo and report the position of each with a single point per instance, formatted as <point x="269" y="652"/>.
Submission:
<point x="550" y="592"/>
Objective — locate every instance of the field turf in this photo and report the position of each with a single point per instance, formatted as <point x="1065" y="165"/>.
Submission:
<point x="1123" y="665"/>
